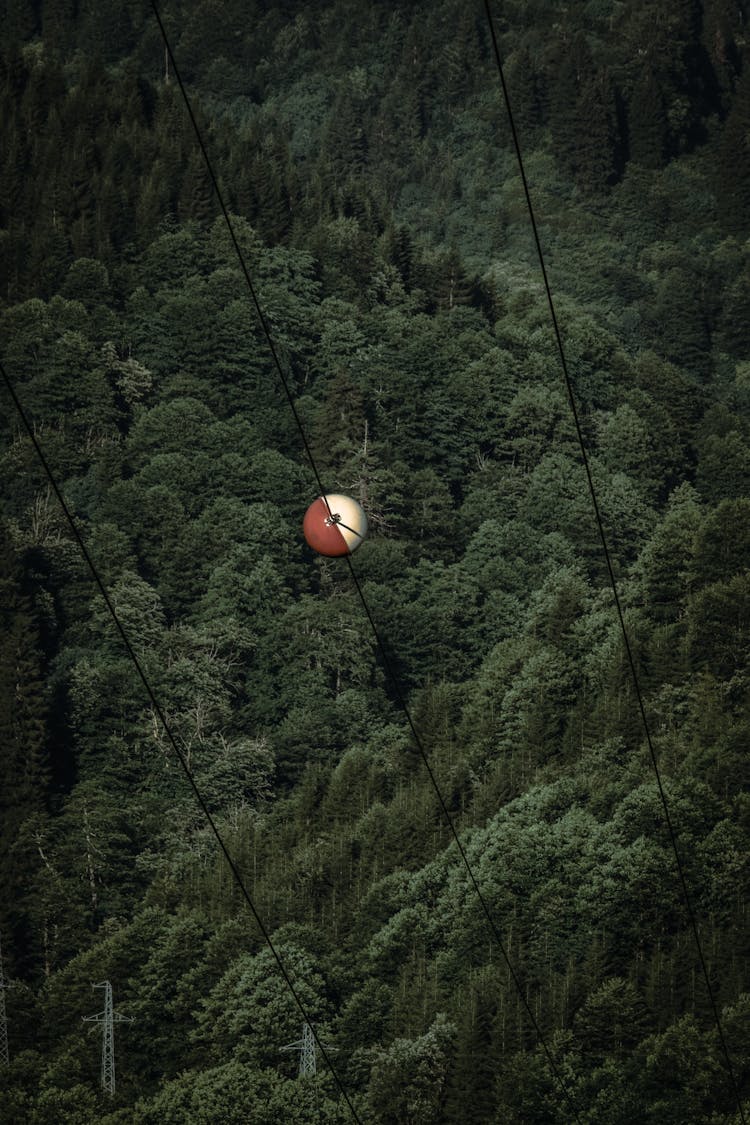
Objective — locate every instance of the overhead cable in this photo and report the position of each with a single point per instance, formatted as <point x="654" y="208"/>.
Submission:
<point x="610" y="568"/>
<point x="159" y="712"/>
<point x="379" y="643"/>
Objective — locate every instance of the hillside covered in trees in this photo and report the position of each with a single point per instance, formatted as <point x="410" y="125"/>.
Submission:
<point x="365" y="154"/>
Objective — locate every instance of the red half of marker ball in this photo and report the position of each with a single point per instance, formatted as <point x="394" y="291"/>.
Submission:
<point x="334" y="525"/>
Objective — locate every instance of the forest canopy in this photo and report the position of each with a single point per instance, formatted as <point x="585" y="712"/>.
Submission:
<point x="365" y="155"/>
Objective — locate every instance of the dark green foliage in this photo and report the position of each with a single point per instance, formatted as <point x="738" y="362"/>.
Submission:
<point x="599" y="159"/>
<point x="25" y="763"/>
<point x="733" y="164"/>
<point x="525" y="85"/>
<point x="365" y="156"/>
<point x="471" y="1083"/>
<point x="647" y="122"/>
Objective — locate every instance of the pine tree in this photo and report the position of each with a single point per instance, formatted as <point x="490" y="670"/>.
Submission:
<point x="272" y="212"/>
<point x="733" y="330"/>
<point x="733" y="164"/>
<point x="573" y="75"/>
<point x="722" y="25"/>
<point x="447" y="282"/>
<point x="680" y="316"/>
<point x="647" y="122"/>
<point x="470" y="1094"/>
<point x="24" y="762"/>
<point x="58" y="25"/>
<point x="525" y="86"/>
<point x="196" y="199"/>
<point x="598" y="156"/>
<point x="345" y="143"/>
<point x="20" y="22"/>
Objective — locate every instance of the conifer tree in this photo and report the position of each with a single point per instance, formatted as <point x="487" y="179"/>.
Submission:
<point x="647" y="122"/>
<point x="598" y="151"/>
<point x="21" y="21"/>
<point x="24" y="762"/>
<point x="470" y="1094"/>
<point x="573" y="75"/>
<point x="525" y="85"/>
<point x="733" y="163"/>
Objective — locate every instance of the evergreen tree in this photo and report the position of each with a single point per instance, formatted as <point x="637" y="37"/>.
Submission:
<point x="20" y="22"/>
<point x="733" y="163"/>
<point x="196" y="198"/>
<point x="572" y="75"/>
<point x="470" y="1093"/>
<point x="26" y="774"/>
<point x="525" y="86"/>
<point x="598" y="158"/>
<point x="683" y="329"/>
<point x="721" y="23"/>
<point x="58" y="25"/>
<point x="647" y="122"/>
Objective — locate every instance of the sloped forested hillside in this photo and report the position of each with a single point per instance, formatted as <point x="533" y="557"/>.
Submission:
<point x="365" y="154"/>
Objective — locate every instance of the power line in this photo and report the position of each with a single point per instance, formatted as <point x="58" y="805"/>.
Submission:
<point x="383" y="654"/>
<point x="297" y="419"/>
<point x="240" y="256"/>
<point x="159" y="712"/>
<point x="461" y="851"/>
<point x="608" y="559"/>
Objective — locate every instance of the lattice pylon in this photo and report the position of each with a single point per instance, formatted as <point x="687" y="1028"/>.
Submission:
<point x="108" y="1018"/>
<point x="307" y="1056"/>
<point x="307" y="1053"/>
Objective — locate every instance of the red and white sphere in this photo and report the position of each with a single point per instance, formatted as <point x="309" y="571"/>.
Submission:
<point x="334" y="525"/>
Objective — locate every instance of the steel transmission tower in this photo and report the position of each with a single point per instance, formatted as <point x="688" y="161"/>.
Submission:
<point x="108" y="1018"/>
<point x="306" y="1048"/>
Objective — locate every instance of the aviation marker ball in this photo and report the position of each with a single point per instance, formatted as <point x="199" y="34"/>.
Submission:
<point x="334" y="525"/>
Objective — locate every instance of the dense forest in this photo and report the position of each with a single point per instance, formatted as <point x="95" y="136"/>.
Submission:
<point x="365" y="154"/>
